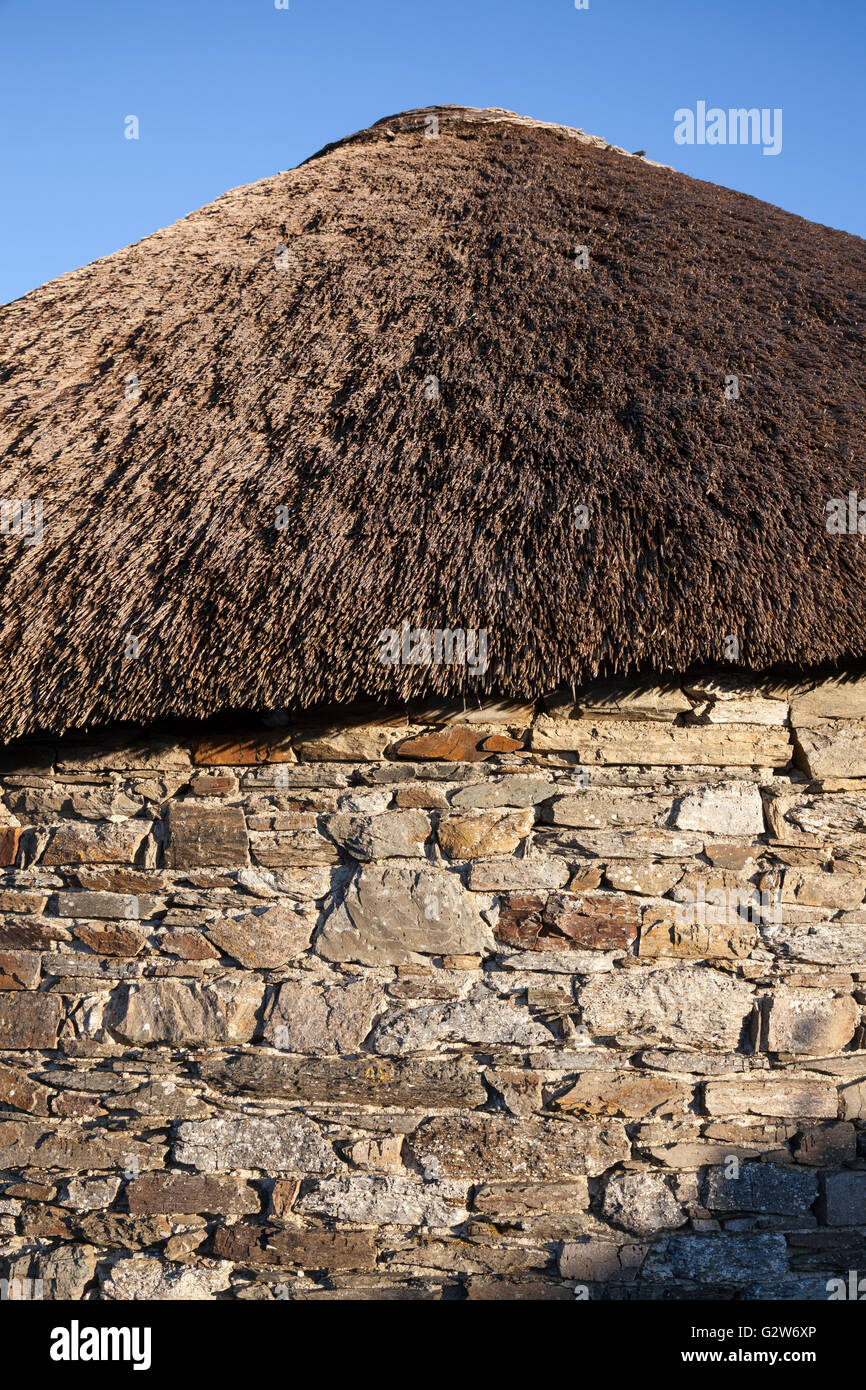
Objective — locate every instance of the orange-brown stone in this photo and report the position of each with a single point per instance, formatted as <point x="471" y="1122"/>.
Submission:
<point x="456" y="743"/>
<point x="10" y="835"/>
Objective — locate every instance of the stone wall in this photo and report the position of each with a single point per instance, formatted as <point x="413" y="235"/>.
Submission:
<point x="523" y="1003"/>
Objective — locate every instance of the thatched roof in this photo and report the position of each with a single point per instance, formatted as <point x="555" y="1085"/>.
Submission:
<point x="303" y="378"/>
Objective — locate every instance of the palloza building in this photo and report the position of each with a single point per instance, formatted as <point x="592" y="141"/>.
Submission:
<point x="433" y="823"/>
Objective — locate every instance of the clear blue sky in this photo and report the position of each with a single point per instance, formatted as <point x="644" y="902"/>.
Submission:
<point x="229" y="91"/>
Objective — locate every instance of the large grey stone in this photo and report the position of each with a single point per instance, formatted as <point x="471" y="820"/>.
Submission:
<point x="632" y="1094"/>
<point x="724" y="701"/>
<point x="627" y="700"/>
<point x="807" y="1289"/>
<point x="500" y="1200"/>
<point x="274" y="1143"/>
<point x="396" y="916"/>
<point x="843" y="1200"/>
<point x="810" y="1021"/>
<point x="761" y="1187"/>
<point x="532" y="874"/>
<point x="152" y="1279"/>
<point x="815" y="888"/>
<point x="489" y="1146"/>
<point x="519" y="789"/>
<point x="623" y="742"/>
<point x="642" y="1203"/>
<point x="389" y="835"/>
<point x="642" y="876"/>
<point x="852" y="1101"/>
<point x="836" y="698"/>
<point x="486" y="1019"/>
<point x="126" y="906"/>
<point x="184" y="1012"/>
<point x="607" y="808"/>
<point x="724" y="808"/>
<point x="834" y="750"/>
<point x="823" y="943"/>
<point x="308" y="1017"/>
<point x="265" y="940"/>
<point x="347" y="744"/>
<point x="781" y="1097"/>
<point x="691" y="1006"/>
<point x="66" y="1271"/>
<point x="594" y="1261"/>
<point x="624" y="844"/>
<point x="387" y="1200"/>
<point x="125" y="755"/>
<point x="797" y="819"/>
<point x="293" y="881"/>
<point x="293" y="849"/>
<point x="723" y="1258"/>
<point x="89" y="1194"/>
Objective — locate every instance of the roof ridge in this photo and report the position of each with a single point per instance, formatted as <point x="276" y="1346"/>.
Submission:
<point x="418" y="117"/>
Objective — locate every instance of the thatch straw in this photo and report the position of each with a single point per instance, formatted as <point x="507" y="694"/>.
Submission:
<point x="309" y="385"/>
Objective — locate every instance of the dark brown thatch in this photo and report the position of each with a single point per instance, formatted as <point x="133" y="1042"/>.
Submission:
<point x="303" y="385"/>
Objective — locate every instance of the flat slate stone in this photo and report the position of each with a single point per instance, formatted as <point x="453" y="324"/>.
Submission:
<point x="206" y="835"/>
<point x="34" y="1145"/>
<point x="81" y="842"/>
<point x="256" y="1245"/>
<point x="642" y="1203"/>
<point x="726" y="808"/>
<point x="832" y="750"/>
<point x="811" y="1021"/>
<point x="656" y="744"/>
<point x="29" y="1020"/>
<point x="518" y="789"/>
<point x="191" y="1193"/>
<point x="772" y="1096"/>
<point x="843" y="1200"/>
<point x="409" y="1083"/>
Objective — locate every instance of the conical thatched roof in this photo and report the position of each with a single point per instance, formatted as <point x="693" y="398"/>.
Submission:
<point x="431" y="386"/>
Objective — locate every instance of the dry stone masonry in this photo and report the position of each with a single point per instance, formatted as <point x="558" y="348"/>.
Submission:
<point x="522" y="1001"/>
